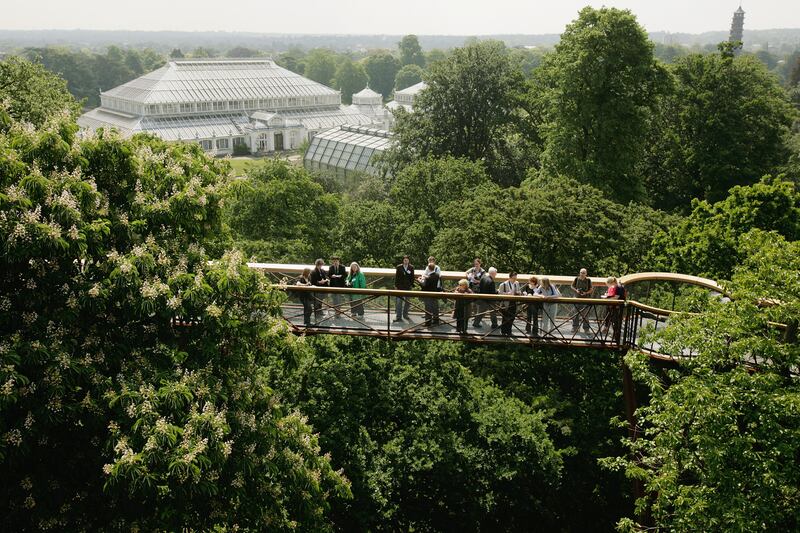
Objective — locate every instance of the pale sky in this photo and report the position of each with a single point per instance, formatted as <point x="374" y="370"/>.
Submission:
<point x="443" y="17"/>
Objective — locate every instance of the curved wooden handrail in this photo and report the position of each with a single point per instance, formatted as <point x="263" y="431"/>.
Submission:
<point x="630" y="279"/>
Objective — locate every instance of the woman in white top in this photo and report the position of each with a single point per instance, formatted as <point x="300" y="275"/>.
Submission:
<point x="550" y="309"/>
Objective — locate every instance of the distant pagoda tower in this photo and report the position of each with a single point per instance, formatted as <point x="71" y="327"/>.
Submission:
<point x="737" y="28"/>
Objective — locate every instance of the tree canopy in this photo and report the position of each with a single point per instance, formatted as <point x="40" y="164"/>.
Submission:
<point x="320" y="66"/>
<point x="724" y="123"/>
<point x="350" y="78"/>
<point x="407" y="76"/>
<point x="33" y="94"/>
<point x="382" y="67"/>
<point x="469" y="110"/>
<point x="597" y="90"/>
<point x="136" y="391"/>
<point x="718" y="443"/>
<point x="411" y="51"/>
<point x="707" y="242"/>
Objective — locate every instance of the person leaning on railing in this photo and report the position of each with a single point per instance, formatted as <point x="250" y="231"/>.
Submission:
<point x="474" y="275"/>
<point x="486" y="286"/>
<point x="431" y="282"/>
<point x="356" y="280"/>
<point x="462" y="306"/>
<point x="582" y="286"/>
<point x="550" y="309"/>
<point x="306" y="298"/>
<point x="509" y="287"/>
<point x="530" y="289"/>
<point x="616" y="291"/>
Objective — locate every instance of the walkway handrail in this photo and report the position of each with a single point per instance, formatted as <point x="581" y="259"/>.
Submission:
<point x="449" y="295"/>
<point x="630" y="279"/>
<point x="450" y="275"/>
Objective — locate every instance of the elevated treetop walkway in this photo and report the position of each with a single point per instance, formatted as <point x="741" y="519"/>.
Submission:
<point x="533" y="320"/>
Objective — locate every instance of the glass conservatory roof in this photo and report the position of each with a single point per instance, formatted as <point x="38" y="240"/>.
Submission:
<point x="215" y="79"/>
<point x="348" y="147"/>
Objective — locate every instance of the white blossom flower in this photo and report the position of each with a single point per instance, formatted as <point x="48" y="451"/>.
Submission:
<point x="214" y="311"/>
<point x="227" y="448"/>
<point x="94" y="292"/>
<point x="14" y="437"/>
<point x="8" y="387"/>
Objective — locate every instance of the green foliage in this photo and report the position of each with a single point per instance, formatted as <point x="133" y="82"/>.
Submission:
<point x="349" y="79"/>
<point x="407" y="76"/>
<point x="419" y="193"/>
<point x="411" y="51"/>
<point x="708" y="241"/>
<point x="366" y="233"/>
<point x="87" y="73"/>
<point x="29" y="93"/>
<point x="283" y="212"/>
<point x="718" y="444"/>
<point x="293" y="59"/>
<point x="527" y="59"/>
<point x="723" y="124"/>
<point x="136" y="391"/>
<point x="469" y="110"/>
<point x="580" y="392"/>
<point x="242" y="52"/>
<point x="598" y="88"/>
<point x="241" y="149"/>
<point x="203" y="52"/>
<point x="427" y="445"/>
<point x="545" y="226"/>
<point x="320" y="66"/>
<point x="381" y="69"/>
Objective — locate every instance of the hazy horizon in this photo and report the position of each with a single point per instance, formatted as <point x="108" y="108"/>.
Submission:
<point x="361" y="17"/>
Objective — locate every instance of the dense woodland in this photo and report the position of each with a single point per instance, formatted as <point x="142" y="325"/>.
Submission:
<point x="595" y="154"/>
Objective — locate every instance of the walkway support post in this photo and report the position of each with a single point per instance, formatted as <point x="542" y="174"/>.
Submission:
<point x="629" y="396"/>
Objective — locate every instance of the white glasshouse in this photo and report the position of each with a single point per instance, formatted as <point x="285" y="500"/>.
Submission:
<point x="406" y="97"/>
<point x="223" y="103"/>
<point x="347" y="151"/>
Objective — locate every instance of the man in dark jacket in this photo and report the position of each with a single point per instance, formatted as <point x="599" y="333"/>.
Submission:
<point x="487" y="286"/>
<point x="337" y="274"/>
<point x="431" y="284"/>
<point x="319" y="279"/>
<point x="403" y="281"/>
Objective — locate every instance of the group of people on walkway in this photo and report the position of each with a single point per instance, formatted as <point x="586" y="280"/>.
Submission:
<point x="476" y="281"/>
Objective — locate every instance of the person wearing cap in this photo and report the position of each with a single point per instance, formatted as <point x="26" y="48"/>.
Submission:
<point x="337" y="273"/>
